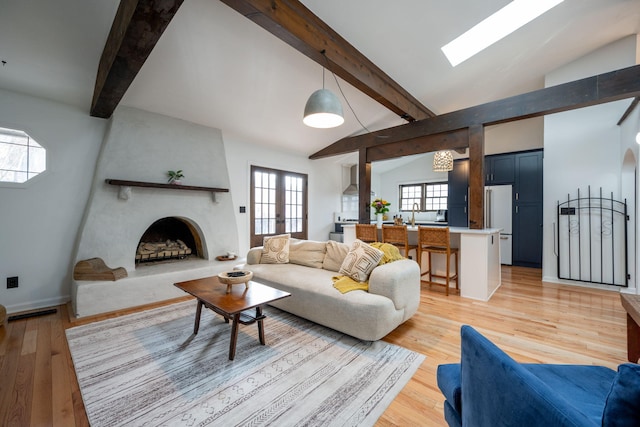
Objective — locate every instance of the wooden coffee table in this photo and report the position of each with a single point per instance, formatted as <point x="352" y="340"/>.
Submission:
<point x="212" y="294"/>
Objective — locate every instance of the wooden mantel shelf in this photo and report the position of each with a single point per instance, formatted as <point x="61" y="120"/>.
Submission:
<point x="159" y="185"/>
<point x="125" y="187"/>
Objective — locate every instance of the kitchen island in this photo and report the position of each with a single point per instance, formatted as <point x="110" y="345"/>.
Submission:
<point x="479" y="252"/>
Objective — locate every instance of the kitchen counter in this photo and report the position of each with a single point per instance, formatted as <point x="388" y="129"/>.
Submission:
<point x="479" y="252"/>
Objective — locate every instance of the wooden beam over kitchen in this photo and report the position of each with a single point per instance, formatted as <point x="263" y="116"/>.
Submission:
<point x="600" y="89"/>
<point x="136" y="29"/>
<point x="456" y="140"/>
<point x="296" y="25"/>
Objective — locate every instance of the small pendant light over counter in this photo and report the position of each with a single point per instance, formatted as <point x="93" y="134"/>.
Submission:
<point x="442" y="161"/>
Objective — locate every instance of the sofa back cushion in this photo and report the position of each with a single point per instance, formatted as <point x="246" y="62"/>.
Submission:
<point x="623" y="403"/>
<point x="336" y="252"/>
<point x="275" y="249"/>
<point x="307" y="252"/>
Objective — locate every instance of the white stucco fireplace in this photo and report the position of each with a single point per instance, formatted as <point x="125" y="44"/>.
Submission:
<point x="141" y="147"/>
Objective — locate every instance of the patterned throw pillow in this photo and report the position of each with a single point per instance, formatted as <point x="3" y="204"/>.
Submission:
<point x="275" y="249"/>
<point x="360" y="261"/>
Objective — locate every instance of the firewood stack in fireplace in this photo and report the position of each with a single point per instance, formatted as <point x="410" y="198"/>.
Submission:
<point x="155" y="251"/>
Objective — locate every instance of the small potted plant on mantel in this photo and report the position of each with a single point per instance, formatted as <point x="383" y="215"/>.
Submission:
<point x="175" y="177"/>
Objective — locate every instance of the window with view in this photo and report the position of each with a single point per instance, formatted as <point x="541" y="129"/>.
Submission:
<point x="428" y="196"/>
<point x="410" y="194"/>
<point x="21" y="157"/>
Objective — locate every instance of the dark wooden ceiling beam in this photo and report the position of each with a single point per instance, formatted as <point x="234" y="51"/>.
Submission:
<point x="136" y="29"/>
<point x="296" y="25"/>
<point x="600" y="89"/>
<point x="456" y="140"/>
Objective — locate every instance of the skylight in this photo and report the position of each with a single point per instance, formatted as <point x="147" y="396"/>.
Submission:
<point x="502" y="23"/>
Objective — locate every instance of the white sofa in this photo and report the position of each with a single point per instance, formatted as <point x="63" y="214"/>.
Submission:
<point x="393" y="296"/>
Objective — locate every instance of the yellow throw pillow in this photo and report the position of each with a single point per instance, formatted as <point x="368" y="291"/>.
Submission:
<point x="360" y="261"/>
<point x="275" y="249"/>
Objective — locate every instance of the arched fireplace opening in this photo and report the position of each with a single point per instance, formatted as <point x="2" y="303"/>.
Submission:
<point x="167" y="239"/>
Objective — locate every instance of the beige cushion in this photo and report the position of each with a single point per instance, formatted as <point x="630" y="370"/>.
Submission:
<point x="275" y="249"/>
<point x="307" y="252"/>
<point x="336" y="252"/>
<point x="360" y="261"/>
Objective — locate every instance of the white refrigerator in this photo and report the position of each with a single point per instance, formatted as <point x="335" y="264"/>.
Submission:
<point x="498" y="200"/>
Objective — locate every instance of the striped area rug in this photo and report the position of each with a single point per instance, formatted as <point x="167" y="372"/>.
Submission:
<point x="148" y="369"/>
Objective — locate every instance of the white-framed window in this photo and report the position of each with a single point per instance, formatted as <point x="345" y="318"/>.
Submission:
<point x="436" y="196"/>
<point x="21" y="157"/>
<point x="410" y="194"/>
<point x="430" y="196"/>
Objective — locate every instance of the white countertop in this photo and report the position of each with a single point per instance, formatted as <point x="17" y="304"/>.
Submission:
<point x="454" y="230"/>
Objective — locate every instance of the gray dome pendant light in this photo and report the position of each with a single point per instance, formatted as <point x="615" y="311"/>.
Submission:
<point x="323" y="109"/>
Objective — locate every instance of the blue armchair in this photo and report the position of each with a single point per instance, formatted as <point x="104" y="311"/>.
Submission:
<point x="489" y="388"/>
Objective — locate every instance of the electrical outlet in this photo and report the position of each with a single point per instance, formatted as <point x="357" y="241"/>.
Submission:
<point x="12" y="282"/>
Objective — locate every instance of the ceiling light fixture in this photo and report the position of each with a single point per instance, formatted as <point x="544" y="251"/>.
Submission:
<point x="443" y="161"/>
<point x="502" y="23"/>
<point x="323" y="109"/>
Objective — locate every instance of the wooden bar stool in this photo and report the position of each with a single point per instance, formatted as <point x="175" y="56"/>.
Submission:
<point x="368" y="233"/>
<point x="398" y="236"/>
<point x="436" y="240"/>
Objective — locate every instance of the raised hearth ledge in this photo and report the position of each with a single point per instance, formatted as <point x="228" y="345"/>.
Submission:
<point x="145" y="285"/>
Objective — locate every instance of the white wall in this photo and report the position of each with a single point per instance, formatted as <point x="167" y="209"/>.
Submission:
<point x="629" y="157"/>
<point x="582" y="147"/>
<point x="520" y="135"/>
<point x="39" y="223"/>
<point x="324" y="178"/>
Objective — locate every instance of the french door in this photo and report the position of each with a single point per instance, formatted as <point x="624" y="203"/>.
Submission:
<point x="278" y="204"/>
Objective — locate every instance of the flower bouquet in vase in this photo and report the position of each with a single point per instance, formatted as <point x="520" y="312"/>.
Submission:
<point x="381" y="207"/>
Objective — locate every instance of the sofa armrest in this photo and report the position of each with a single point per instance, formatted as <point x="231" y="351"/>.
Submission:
<point x="254" y="255"/>
<point x="400" y="282"/>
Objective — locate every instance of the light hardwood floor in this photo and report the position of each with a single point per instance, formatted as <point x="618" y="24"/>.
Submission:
<point x="532" y="321"/>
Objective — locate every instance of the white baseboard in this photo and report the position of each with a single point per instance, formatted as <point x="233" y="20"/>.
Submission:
<point x="35" y="305"/>
<point x="557" y="281"/>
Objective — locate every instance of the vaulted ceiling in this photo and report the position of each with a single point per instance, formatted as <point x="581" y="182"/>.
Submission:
<point x="215" y="67"/>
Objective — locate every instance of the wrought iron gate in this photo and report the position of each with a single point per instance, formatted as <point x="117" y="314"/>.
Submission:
<point x="592" y="239"/>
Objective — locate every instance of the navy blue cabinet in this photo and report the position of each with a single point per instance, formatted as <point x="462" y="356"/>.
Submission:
<point x="523" y="170"/>
<point x="528" y="184"/>
<point x="527" y="212"/>
<point x="499" y="169"/>
<point x="458" y="215"/>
